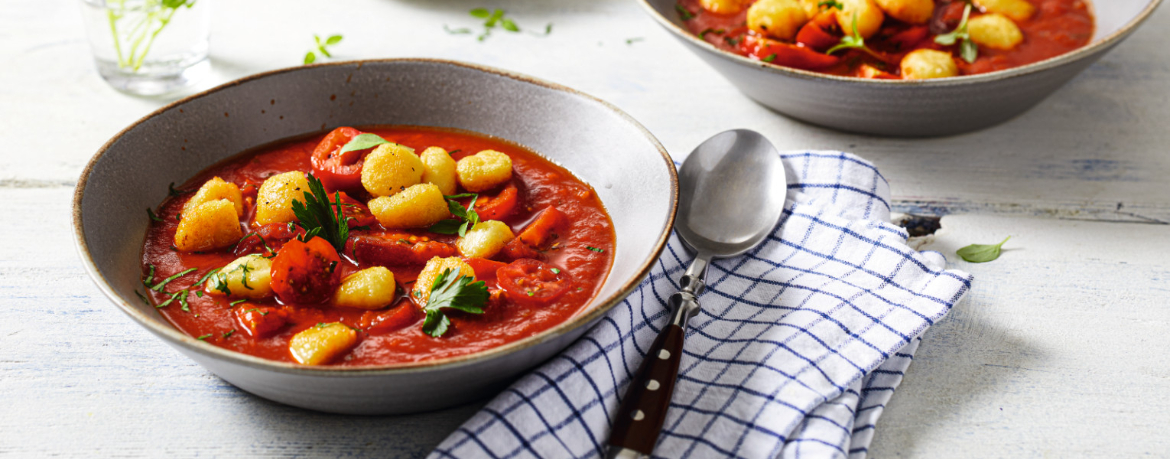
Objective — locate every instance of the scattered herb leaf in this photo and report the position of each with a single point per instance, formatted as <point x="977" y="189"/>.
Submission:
<point x="452" y="291"/>
<point x="362" y="142"/>
<point x="174" y="193"/>
<point x="595" y="249"/>
<point x="630" y="41"/>
<point x="229" y="333"/>
<point x="684" y="13"/>
<point x="825" y="4"/>
<point x="770" y="58"/>
<point x="556" y="270"/>
<point x="143" y="298"/>
<point x="204" y="337"/>
<point x="981" y="253"/>
<point x="853" y="41"/>
<point x="152" y="216"/>
<point x="159" y="286"/>
<point x="236" y="302"/>
<point x="321" y="47"/>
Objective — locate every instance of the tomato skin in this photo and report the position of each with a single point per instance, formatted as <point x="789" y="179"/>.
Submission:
<point x="907" y="39"/>
<point x="260" y="322"/>
<point x="533" y="282"/>
<point x="500" y="206"/>
<point x="818" y="33"/>
<point x="356" y="213"/>
<point x="396" y="250"/>
<point x="786" y="55"/>
<point x="338" y="171"/>
<point x="484" y="268"/>
<point x="388" y="321"/>
<point x="306" y="272"/>
<point x="275" y="236"/>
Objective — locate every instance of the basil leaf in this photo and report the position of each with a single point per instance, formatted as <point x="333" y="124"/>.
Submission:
<point x="481" y="13"/>
<point x="362" y="142"/>
<point x="981" y="253"/>
<point x="969" y="51"/>
<point x="448" y="226"/>
<point x="310" y="58"/>
<point x="508" y="25"/>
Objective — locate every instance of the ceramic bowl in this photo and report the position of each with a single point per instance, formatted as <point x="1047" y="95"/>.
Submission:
<point x="632" y="173"/>
<point x="911" y="108"/>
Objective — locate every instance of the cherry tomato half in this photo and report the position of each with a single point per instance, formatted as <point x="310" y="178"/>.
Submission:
<point x="335" y="170"/>
<point x="260" y="322"/>
<point x="306" y="272"/>
<point x="533" y="282"/>
<point x="499" y="206"/>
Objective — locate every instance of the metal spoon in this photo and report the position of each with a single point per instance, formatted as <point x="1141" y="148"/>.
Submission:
<point x="733" y="188"/>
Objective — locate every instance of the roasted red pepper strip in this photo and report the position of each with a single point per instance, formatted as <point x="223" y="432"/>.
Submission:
<point x="786" y="55"/>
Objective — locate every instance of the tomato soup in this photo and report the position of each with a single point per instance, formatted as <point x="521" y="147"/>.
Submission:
<point x="535" y="248"/>
<point x="893" y="39"/>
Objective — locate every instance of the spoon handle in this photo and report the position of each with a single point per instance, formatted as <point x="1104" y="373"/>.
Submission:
<point x="643" y="410"/>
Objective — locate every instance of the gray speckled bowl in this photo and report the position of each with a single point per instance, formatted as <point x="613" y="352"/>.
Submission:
<point x="630" y="170"/>
<point x="910" y="108"/>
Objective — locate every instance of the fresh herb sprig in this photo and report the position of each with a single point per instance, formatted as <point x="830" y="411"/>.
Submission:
<point x="322" y="47"/>
<point x="853" y="41"/>
<point x="452" y="291"/>
<point x="133" y="44"/>
<point x="319" y="217"/>
<point x="466" y="217"/>
<point x="826" y="4"/>
<point x="684" y="13"/>
<point x="968" y="50"/>
<point x="362" y="142"/>
<point x="981" y="253"/>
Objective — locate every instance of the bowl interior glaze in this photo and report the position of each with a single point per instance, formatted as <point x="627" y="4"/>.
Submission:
<point x="630" y="170"/>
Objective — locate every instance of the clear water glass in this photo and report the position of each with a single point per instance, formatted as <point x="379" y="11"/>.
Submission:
<point x="149" y="47"/>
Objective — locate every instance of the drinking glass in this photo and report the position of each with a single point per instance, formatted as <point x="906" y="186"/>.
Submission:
<point x="149" y="47"/>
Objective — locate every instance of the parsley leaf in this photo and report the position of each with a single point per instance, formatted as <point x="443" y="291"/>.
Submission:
<point x="319" y="217"/>
<point x="981" y="253"/>
<point x="684" y="13"/>
<point x="466" y="217"/>
<point x="174" y="193"/>
<point x="968" y="50"/>
<point x="853" y="41"/>
<point x="452" y="291"/>
<point x="204" y="337"/>
<point x="152" y="216"/>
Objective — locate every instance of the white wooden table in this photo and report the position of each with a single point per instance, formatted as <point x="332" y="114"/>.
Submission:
<point x="1059" y="350"/>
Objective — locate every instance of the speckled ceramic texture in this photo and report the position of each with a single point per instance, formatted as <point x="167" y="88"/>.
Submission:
<point x="632" y="173"/>
<point x="909" y="108"/>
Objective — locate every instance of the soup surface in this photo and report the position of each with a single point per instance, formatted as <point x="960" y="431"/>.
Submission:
<point x="899" y="39"/>
<point x="536" y="250"/>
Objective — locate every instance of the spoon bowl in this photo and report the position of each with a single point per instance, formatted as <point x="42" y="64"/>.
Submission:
<point x="733" y="189"/>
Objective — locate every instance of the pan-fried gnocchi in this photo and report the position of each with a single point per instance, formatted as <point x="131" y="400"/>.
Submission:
<point x="874" y="39"/>
<point x="328" y="251"/>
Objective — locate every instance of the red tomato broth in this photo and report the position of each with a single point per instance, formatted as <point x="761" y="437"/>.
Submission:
<point x="1057" y="27"/>
<point x="540" y="183"/>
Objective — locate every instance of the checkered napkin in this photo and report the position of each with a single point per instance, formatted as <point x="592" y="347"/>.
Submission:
<point x="800" y="344"/>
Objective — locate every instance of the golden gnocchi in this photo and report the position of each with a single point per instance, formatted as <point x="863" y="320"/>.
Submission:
<point x="439" y="169"/>
<point x="274" y="200"/>
<point x="418" y="206"/>
<point x="779" y="19"/>
<point x="208" y="226"/>
<point x="249" y="276"/>
<point x="994" y="31"/>
<point x="927" y="63"/>
<point x="370" y="288"/>
<point x="485" y="239"/>
<point x="214" y="190"/>
<point x="435" y="267"/>
<point x="390" y="168"/>
<point x="484" y="170"/>
<point x="321" y="343"/>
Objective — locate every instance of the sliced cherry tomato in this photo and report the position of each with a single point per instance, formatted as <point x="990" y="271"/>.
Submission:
<point x="339" y="171"/>
<point x="499" y="206"/>
<point x="818" y="33"/>
<point x="306" y="272"/>
<point x="260" y="322"/>
<point x="483" y="267"/>
<point x="396" y="249"/>
<point x="273" y="235"/>
<point x="787" y="55"/>
<point x="871" y="72"/>
<point x="516" y="249"/>
<point x="907" y="39"/>
<point x="533" y="282"/>
<point x="405" y="314"/>
<point x="356" y="213"/>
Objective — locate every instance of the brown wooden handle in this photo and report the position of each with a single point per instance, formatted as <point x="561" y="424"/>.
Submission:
<point x="640" y="417"/>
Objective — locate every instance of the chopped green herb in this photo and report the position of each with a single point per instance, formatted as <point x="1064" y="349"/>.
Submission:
<point x="174" y="193"/>
<point x="466" y="217"/>
<point x="257" y="311"/>
<point x="183" y="300"/>
<point x="319" y="217"/>
<point x="704" y="33"/>
<point x="556" y="270"/>
<point x="258" y="236"/>
<point x="450" y="291"/>
<point x="199" y="293"/>
<point x="853" y="41"/>
<point x="770" y="58"/>
<point x="149" y="280"/>
<point x="237" y="302"/>
<point x="825" y="4"/>
<point x="630" y="41"/>
<point x="981" y="253"/>
<point x="459" y="31"/>
<point x="153" y="217"/>
<point x="404" y="241"/>
<point x="229" y="333"/>
<point x="204" y="337"/>
<point x="547" y="31"/>
<point x="684" y="13"/>
<point x="143" y="298"/>
<point x="529" y="293"/>
<point x="595" y="249"/>
<point x="159" y="286"/>
<point x="174" y="296"/>
<point x="968" y="50"/>
<point x="219" y="283"/>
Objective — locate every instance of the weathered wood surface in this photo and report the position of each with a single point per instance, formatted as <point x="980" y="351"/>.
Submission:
<point x="1065" y="334"/>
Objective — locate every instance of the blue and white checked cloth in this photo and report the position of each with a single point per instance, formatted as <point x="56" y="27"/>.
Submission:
<point x="799" y="346"/>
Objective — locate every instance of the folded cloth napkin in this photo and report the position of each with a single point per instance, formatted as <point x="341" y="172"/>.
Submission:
<point x="799" y="345"/>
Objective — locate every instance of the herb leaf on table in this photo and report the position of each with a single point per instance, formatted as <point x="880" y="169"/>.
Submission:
<point x="322" y="47"/>
<point x="981" y="253"/>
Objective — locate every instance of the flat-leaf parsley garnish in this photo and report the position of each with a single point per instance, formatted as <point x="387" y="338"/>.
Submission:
<point x="981" y="253"/>
<point x="452" y="291"/>
<point x="595" y="249"/>
<point x="466" y="217"/>
<point x="319" y="217"/>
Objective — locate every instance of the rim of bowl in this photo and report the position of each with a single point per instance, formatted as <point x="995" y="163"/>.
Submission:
<point x="1034" y="67"/>
<point x="170" y="333"/>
